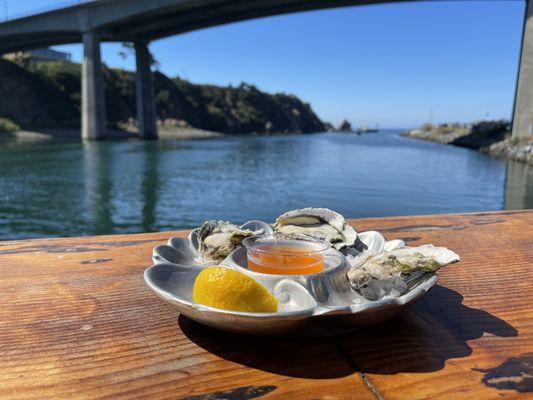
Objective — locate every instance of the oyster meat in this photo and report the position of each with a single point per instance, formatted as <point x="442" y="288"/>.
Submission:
<point x="382" y="274"/>
<point x="217" y="239"/>
<point x="320" y="223"/>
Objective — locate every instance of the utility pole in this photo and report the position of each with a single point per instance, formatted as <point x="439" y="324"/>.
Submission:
<point x="5" y="9"/>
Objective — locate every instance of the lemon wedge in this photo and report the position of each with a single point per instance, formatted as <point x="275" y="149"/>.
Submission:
<point x="224" y="288"/>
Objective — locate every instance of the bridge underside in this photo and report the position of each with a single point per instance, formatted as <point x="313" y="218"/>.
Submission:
<point x="142" y="21"/>
<point x="147" y="20"/>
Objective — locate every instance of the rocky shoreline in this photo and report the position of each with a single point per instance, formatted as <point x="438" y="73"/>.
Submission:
<point x="489" y="137"/>
<point x="513" y="150"/>
<point x="164" y="133"/>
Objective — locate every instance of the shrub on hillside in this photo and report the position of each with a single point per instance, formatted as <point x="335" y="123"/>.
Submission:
<point x="6" y="125"/>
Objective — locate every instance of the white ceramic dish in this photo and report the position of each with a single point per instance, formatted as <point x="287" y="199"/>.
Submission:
<point x="317" y="304"/>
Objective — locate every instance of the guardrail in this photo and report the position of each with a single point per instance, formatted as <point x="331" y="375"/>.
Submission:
<point x="4" y="8"/>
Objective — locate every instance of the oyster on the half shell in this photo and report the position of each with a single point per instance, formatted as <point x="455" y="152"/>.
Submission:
<point x="217" y="239"/>
<point x="382" y="273"/>
<point x="320" y="223"/>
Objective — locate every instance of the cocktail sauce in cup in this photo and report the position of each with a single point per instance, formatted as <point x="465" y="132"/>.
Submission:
<point x="285" y="255"/>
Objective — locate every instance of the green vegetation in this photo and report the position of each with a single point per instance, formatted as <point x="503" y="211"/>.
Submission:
<point x="445" y="129"/>
<point x="65" y="76"/>
<point x="51" y="97"/>
<point x="483" y="134"/>
<point x="30" y="100"/>
<point x="6" y="125"/>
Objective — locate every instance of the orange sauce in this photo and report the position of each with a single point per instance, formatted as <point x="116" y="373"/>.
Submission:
<point x="285" y="260"/>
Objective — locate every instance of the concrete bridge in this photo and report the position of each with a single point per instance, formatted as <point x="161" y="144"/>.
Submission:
<point x="141" y="21"/>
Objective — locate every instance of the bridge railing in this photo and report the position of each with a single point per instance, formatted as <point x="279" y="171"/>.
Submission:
<point x="4" y="8"/>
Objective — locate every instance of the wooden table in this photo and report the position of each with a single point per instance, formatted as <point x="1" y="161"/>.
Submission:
<point x="77" y="321"/>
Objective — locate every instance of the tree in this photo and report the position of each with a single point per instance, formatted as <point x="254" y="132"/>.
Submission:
<point x="128" y="49"/>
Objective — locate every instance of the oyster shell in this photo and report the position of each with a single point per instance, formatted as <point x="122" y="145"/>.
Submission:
<point x="376" y="275"/>
<point x="320" y="223"/>
<point x="217" y="239"/>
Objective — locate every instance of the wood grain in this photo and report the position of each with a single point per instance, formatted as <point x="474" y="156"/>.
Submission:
<point x="78" y="322"/>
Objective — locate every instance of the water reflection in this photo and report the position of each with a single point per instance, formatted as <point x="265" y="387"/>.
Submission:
<point x="56" y="188"/>
<point x="149" y="187"/>
<point x="121" y="186"/>
<point x="97" y="169"/>
<point x="519" y="186"/>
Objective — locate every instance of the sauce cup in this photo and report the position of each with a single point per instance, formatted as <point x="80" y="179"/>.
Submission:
<point x="285" y="254"/>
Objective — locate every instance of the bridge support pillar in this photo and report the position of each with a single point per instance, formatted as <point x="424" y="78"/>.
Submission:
<point x="523" y="107"/>
<point x="146" y="112"/>
<point x="93" y="119"/>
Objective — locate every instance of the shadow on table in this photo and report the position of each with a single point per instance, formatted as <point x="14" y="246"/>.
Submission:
<point x="420" y="339"/>
<point x="432" y="331"/>
<point x="306" y="358"/>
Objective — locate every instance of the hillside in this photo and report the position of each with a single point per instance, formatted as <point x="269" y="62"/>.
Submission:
<point x="48" y="95"/>
<point x="31" y="100"/>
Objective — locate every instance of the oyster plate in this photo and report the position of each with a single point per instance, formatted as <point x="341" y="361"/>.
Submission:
<point x="317" y="304"/>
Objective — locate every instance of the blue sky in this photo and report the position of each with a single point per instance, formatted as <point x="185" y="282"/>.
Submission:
<point x="392" y="64"/>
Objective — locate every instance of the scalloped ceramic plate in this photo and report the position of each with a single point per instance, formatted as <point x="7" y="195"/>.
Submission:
<point x="317" y="304"/>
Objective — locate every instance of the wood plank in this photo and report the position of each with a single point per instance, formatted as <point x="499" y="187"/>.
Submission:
<point x="78" y="322"/>
<point x="479" y="316"/>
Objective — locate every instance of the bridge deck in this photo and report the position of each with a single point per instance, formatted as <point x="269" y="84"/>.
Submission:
<point x="145" y="20"/>
<point x="78" y="322"/>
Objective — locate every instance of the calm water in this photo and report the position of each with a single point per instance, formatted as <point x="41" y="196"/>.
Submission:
<point x="53" y="188"/>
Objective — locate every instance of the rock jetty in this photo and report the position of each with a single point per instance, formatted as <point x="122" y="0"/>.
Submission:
<point x="490" y="137"/>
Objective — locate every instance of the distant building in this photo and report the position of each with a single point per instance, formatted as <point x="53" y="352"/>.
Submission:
<point x="38" y="55"/>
